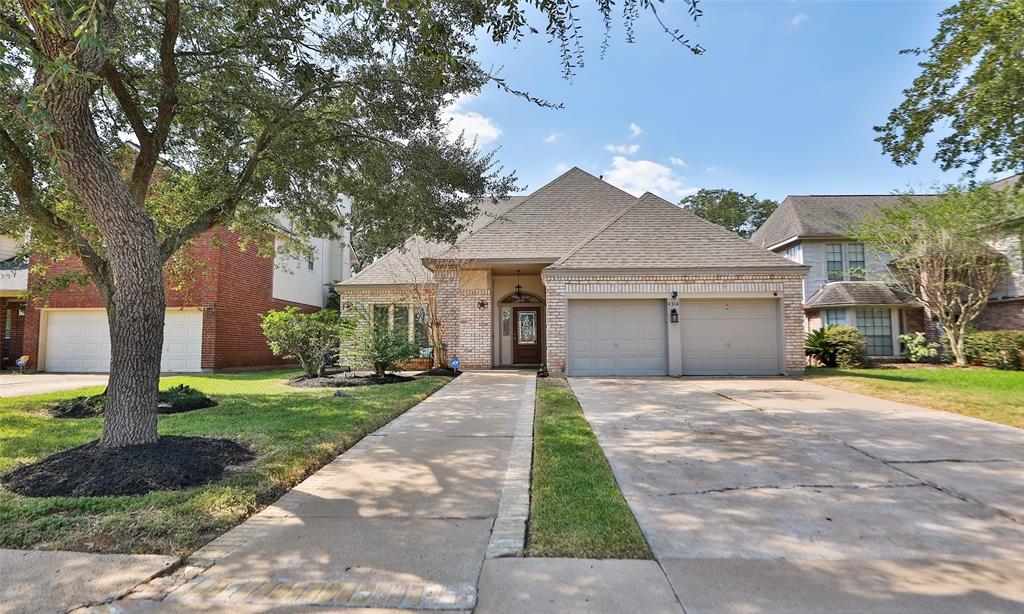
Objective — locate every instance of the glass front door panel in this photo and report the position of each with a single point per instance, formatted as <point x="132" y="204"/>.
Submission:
<point x="527" y="327"/>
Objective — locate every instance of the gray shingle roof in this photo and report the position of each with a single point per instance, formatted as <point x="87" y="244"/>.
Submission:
<point x="549" y="223"/>
<point x="655" y="234"/>
<point x="820" y="216"/>
<point x="851" y="293"/>
<point x="404" y="265"/>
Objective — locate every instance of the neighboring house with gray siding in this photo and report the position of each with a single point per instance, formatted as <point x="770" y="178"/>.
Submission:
<point x="849" y="283"/>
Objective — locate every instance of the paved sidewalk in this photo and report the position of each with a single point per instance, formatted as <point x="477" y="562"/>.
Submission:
<point x="401" y="520"/>
<point x="779" y="496"/>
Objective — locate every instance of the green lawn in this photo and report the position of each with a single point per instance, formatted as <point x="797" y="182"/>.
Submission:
<point x="293" y="431"/>
<point x="996" y="396"/>
<point x="576" y="509"/>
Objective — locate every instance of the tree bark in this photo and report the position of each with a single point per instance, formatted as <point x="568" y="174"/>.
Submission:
<point x="134" y="288"/>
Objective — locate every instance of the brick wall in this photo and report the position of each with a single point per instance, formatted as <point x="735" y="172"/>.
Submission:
<point x="232" y="286"/>
<point x="475" y="329"/>
<point x="560" y="284"/>
<point x="356" y="299"/>
<point x="1002" y="314"/>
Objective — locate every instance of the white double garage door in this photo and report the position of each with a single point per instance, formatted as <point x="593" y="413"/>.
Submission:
<point x="78" y="341"/>
<point x="712" y="337"/>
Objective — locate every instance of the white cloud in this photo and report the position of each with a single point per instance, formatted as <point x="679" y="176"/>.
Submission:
<point x="634" y="130"/>
<point x="676" y="161"/>
<point x="551" y="138"/>
<point x="711" y="169"/>
<point x="798" y="19"/>
<point x="561" y="167"/>
<point x="639" y="176"/>
<point x="623" y="149"/>
<point x="472" y="124"/>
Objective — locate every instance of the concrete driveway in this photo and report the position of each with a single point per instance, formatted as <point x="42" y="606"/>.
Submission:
<point x="776" y="495"/>
<point x="19" y="385"/>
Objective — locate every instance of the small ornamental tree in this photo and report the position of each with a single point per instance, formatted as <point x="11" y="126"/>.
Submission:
<point x="941" y="255"/>
<point x="308" y="337"/>
<point x="374" y="342"/>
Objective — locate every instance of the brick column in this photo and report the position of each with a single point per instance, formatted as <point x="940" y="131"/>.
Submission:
<point x="554" y="321"/>
<point x="475" y="329"/>
<point x="793" y="324"/>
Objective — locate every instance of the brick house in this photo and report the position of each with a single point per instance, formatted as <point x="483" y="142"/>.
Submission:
<point x="849" y="283"/>
<point x="212" y="323"/>
<point x="588" y="279"/>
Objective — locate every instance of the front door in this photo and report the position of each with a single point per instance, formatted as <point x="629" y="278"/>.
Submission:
<point x="526" y="336"/>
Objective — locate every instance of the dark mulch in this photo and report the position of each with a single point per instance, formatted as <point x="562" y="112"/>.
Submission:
<point x="174" y="400"/>
<point x="347" y="380"/>
<point x="444" y="371"/>
<point x="172" y="463"/>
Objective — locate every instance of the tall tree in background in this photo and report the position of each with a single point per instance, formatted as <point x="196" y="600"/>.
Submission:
<point x="972" y="80"/>
<point x="740" y="213"/>
<point x="256" y="112"/>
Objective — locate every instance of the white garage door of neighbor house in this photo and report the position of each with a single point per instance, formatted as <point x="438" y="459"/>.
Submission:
<point x="617" y="337"/>
<point x="78" y="341"/>
<point x="730" y="337"/>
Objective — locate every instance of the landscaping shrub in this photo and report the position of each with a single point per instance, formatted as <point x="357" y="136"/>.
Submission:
<point x="837" y="346"/>
<point x="851" y="346"/>
<point x="374" y="342"/>
<point x="917" y="348"/>
<point x="312" y="338"/>
<point x="174" y="400"/>
<point x="1000" y="349"/>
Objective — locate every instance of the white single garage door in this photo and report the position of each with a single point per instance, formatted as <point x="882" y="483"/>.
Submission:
<point x="617" y="337"/>
<point x="730" y="337"/>
<point x="78" y="341"/>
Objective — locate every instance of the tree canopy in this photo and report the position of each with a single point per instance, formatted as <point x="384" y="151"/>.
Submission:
<point x="740" y="213"/>
<point x="970" y="86"/>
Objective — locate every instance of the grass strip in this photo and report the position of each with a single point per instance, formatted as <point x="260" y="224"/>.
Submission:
<point x="576" y="509"/>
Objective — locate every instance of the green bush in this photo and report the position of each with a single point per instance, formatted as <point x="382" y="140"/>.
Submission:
<point x="818" y="346"/>
<point x="851" y="346"/>
<point x="1000" y="349"/>
<point x="917" y="348"/>
<point x="174" y="400"/>
<point x="309" y="337"/>
<point x="375" y="343"/>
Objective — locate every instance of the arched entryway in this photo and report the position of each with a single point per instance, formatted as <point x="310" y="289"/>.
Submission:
<point x="521" y="329"/>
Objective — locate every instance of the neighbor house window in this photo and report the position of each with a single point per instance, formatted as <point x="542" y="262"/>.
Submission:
<point x="876" y="326"/>
<point x="310" y="264"/>
<point x="855" y="261"/>
<point x="835" y="317"/>
<point x="834" y="261"/>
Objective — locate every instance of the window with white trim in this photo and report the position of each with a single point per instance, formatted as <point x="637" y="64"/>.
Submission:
<point x="405" y="316"/>
<point x="835" y="317"/>
<point x="834" y="261"/>
<point x="876" y="326"/>
<point x="855" y="261"/>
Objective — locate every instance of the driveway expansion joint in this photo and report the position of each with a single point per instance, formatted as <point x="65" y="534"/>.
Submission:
<point x="726" y="489"/>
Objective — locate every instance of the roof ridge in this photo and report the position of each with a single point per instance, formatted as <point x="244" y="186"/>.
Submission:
<point x="618" y="216"/>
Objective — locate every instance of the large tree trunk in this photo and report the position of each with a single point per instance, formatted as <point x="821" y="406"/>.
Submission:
<point x="133" y="285"/>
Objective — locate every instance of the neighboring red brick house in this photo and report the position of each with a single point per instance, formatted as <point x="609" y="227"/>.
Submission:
<point x="213" y="323"/>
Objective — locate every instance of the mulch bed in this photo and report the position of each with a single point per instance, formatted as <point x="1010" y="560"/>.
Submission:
<point x="347" y="380"/>
<point x="172" y="463"/>
<point x="174" y="400"/>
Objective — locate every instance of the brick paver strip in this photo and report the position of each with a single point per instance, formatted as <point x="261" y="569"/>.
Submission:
<point x="339" y="592"/>
<point x="508" y="537"/>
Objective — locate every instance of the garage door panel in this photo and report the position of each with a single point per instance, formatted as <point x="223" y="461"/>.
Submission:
<point x="79" y="341"/>
<point x="617" y="337"/>
<point x="730" y="337"/>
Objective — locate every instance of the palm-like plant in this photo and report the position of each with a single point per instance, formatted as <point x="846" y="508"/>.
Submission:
<point x="818" y="345"/>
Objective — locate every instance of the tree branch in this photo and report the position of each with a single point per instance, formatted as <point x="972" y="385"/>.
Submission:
<point x="128" y="104"/>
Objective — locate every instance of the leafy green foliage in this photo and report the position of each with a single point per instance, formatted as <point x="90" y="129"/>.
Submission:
<point x="576" y="508"/>
<point x="837" y="346"/>
<point x="971" y="81"/>
<point x="740" y="213"/>
<point x="173" y="400"/>
<point x="308" y="337"/>
<point x="917" y="348"/>
<point x="999" y="349"/>
<point x="375" y="343"/>
<point x="940" y="250"/>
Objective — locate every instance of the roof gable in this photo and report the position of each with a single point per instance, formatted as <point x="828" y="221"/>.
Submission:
<point x="652" y="233"/>
<point x="548" y="223"/>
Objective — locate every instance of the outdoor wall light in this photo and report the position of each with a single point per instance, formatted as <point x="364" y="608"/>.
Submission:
<point x="481" y="304"/>
<point x="21" y="310"/>
<point x="674" y="315"/>
<point x="675" y="294"/>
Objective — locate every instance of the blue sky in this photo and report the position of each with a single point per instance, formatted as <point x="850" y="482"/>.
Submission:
<point x="783" y="101"/>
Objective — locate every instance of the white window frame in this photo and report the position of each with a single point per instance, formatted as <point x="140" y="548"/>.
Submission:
<point x="896" y="325"/>
<point x="846" y="272"/>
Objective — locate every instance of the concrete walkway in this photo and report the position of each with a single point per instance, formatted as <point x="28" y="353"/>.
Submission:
<point x="401" y="520"/>
<point x="23" y="384"/>
<point x="777" y="495"/>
